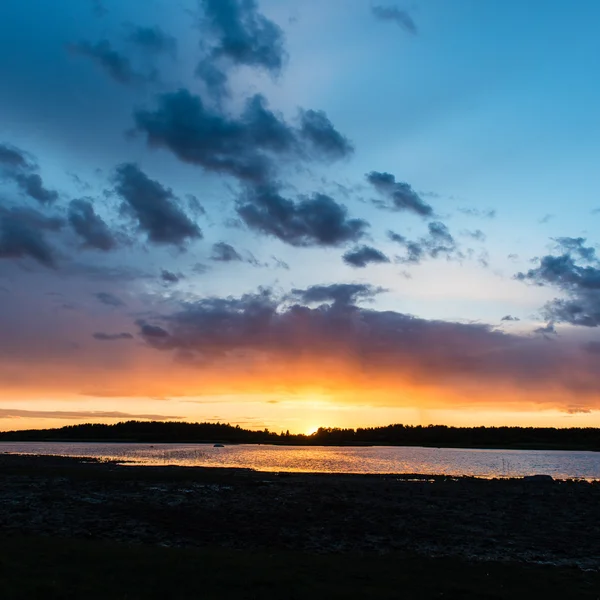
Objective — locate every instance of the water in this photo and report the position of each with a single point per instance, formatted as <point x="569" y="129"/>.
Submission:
<point x="378" y="459"/>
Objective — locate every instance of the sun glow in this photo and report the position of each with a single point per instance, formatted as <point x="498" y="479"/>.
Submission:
<point x="312" y="429"/>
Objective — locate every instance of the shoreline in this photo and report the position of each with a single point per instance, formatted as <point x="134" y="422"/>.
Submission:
<point x="400" y="476"/>
<point x="508" y="448"/>
<point x="464" y="518"/>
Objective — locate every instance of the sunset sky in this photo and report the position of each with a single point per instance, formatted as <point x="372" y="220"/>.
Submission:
<point x="292" y="214"/>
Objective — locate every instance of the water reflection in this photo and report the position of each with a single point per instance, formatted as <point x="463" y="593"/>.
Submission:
<point x="442" y="461"/>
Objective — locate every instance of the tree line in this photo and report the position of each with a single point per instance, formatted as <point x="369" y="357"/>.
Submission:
<point x="575" y="438"/>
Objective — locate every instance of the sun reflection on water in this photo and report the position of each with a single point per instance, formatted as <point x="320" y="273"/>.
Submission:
<point x="373" y="459"/>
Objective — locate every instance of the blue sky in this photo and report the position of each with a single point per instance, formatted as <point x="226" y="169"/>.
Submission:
<point x="482" y="113"/>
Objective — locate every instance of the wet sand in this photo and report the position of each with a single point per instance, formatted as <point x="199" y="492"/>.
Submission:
<point x="432" y="516"/>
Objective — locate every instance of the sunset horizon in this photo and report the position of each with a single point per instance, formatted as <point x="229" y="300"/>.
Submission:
<point x="292" y="216"/>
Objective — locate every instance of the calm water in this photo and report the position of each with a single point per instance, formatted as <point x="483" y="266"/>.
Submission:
<point x="447" y="461"/>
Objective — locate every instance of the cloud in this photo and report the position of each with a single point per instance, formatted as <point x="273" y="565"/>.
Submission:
<point x="153" y="39"/>
<point x="477" y="234"/>
<point x="22" y="235"/>
<point x="364" y="255"/>
<point x="215" y="80"/>
<point x="400" y="194"/>
<point x="19" y="167"/>
<point x="280" y="264"/>
<point x="32" y="185"/>
<point x="338" y="293"/>
<point x="152" y="331"/>
<point x="200" y="269"/>
<point x="577" y="247"/>
<point x="579" y="282"/>
<point x="548" y="329"/>
<point x="15" y="413"/>
<point x="341" y="344"/>
<point x="488" y="213"/>
<point x="116" y="65"/>
<point x="315" y="221"/>
<point x="170" y="277"/>
<point x="222" y="252"/>
<point x="438" y="242"/>
<point x="318" y="130"/>
<point x="154" y="206"/>
<point x="108" y="337"/>
<point x="13" y="158"/>
<point x="109" y="299"/>
<point x="575" y="410"/>
<point x="240" y="147"/>
<point x="397" y="15"/>
<point x="509" y="318"/>
<point x="250" y="146"/>
<point x="243" y="36"/>
<point x="89" y="226"/>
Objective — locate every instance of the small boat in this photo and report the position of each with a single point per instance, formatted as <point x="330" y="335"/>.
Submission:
<point x="218" y="446"/>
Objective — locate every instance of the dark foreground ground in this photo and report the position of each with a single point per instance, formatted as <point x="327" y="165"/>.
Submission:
<point x="90" y="530"/>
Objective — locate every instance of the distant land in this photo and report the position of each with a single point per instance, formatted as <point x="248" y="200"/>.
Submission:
<point x="526" y="438"/>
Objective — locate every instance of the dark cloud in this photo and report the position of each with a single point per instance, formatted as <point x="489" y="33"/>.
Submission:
<point x="222" y="252"/>
<point x="280" y="264"/>
<point x="152" y="331"/>
<point x="109" y="299"/>
<point x="362" y="256"/>
<point x="214" y="79"/>
<point x="249" y="147"/>
<point x="170" y="277"/>
<point x="154" y="206"/>
<point x="195" y="206"/>
<point x="244" y="36"/>
<point x="195" y="134"/>
<point x="415" y="252"/>
<point x="109" y="337"/>
<point x="22" y="234"/>
<point x="400" y="194"/>
<point x="398" y="347"/>
<point x="113" y="63"/>
<point x="89" y="226"/>
<point x="577" y="247"/>
<point x="438" y="242"/>
<point x="318" y="130"/>
<point x="153" y="39"/>
<point x="338" y="293"/>
<point x="17" y="166"/>
<point x="315" y="221"/>
<point x="32" y="185"/>
<point x="579" y="282"/>
<point x="548" y="329"/>
<point x="11" y="413"/>
<point x="397" y="15"/>
<point x="509" y="318"/>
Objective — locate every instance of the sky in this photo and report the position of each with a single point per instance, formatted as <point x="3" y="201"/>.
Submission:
<point x="299" y="214"/>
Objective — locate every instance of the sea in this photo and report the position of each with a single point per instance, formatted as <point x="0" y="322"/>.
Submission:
<point x="559" y="464"/>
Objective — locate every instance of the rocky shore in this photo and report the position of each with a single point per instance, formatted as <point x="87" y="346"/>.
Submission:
<point x="548" y="522"/>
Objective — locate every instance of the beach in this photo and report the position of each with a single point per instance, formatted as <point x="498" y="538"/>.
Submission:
<point x="554" y="524"/>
